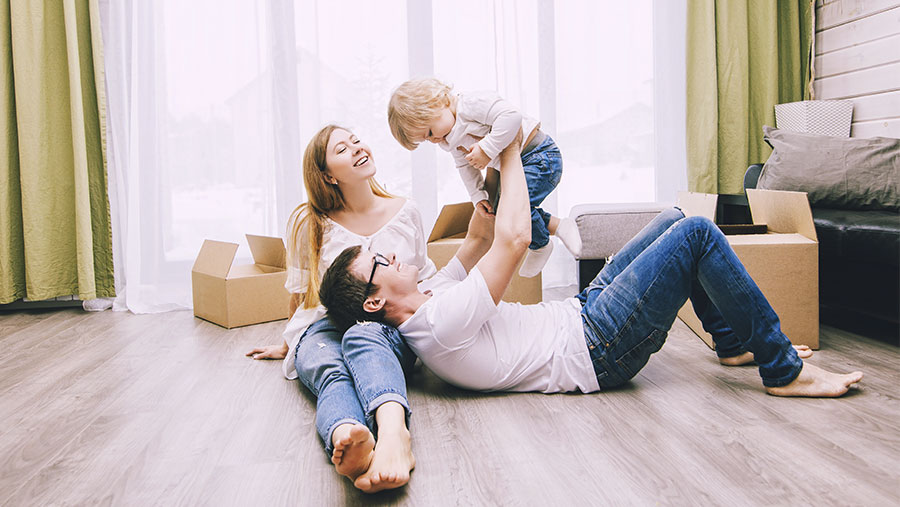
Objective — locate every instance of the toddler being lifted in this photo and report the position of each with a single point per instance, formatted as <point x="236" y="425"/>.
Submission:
<point x="475" y="127"/>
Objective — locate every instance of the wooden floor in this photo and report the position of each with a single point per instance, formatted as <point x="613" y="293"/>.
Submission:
<point x="120" y="409"/>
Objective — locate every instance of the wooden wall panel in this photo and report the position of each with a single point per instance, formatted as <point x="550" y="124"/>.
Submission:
<point x="845" y="11"/>
<point x="876" y="26"/>
<point x="877" y="107"/>
<point x="860" y="83"/>
<point x="857" y="58"/>
<point x="861" y="56"/>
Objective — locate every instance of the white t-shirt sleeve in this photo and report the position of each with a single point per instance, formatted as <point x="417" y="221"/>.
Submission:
<point x="458" y="313"/>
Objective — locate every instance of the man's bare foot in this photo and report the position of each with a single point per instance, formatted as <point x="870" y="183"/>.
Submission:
<point x="747" y="357"/>
<point x="391" y="465"/>
<point x="353" y="444"/>
<point x="814" y="382"/>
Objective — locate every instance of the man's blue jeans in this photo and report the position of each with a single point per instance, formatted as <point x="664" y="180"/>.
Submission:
<point x="352" y="374"/>
<point x="631" y="304"/>
<point x="543" y="170"/>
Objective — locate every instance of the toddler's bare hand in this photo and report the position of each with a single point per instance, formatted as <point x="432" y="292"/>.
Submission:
<point x="476" y="157"/>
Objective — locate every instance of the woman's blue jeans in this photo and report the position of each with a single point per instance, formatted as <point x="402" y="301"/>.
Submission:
<point x="352" y="374"/>
<point x="631" y="304"/>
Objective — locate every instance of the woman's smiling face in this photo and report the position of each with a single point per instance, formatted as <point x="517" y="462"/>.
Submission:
<point x="348" y="159"/>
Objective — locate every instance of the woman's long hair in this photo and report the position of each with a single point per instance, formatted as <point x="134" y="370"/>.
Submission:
<point x="324" y="197"/>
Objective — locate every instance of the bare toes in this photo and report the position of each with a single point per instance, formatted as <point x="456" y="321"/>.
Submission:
<point x="804" y="354"/>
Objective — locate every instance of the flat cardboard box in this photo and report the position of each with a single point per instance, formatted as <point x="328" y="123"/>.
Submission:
<point x="446" y="238"/>
<point x="784" y="262"/>
<point x="233" y="296"/>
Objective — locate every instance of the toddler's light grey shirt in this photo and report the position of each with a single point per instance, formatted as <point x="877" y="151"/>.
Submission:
<point x="492" y="122"/>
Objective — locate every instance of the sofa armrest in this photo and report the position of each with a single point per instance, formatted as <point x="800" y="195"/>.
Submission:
<point x="605" y="228"/>
<point x="751" y="177"/>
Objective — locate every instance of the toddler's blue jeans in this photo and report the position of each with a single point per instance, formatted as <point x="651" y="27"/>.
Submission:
<point x="543" y="169"/>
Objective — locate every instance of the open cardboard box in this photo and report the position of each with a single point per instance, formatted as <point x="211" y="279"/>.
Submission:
<point x="446" y="238"/>
<point x="240" y="295"/>
<point x="784" y="262"/>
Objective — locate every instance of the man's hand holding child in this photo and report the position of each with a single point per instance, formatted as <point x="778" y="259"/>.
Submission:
<point x="485" y="206"/>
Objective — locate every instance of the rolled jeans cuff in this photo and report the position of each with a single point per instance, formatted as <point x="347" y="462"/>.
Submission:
<point x="730" y="352"/>
<point x="786" y="379"/>
<point x="380" y="400"/>
<point x="329" y="444"/>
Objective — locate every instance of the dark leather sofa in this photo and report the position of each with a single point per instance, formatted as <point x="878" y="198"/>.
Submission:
<point x="859" y="267"/>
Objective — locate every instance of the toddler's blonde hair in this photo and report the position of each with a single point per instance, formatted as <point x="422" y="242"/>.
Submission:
<point x="413" y="105"/>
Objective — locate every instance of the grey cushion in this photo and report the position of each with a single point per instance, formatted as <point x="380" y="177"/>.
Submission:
<point x="605" y="228"/>
<point x="836" y="172"/>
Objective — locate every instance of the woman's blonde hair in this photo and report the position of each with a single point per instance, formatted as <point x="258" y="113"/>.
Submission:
<point x="413" y="105"/>
<point x="324" y="197"/>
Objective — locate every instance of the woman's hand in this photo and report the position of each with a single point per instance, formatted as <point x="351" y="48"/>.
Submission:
<point x="269" y="352"/>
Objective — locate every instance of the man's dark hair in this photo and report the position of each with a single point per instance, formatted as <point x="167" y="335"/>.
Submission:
<point x="343" y="294"/>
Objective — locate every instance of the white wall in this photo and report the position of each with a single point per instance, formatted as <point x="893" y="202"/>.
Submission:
<point x="857" y="57"/>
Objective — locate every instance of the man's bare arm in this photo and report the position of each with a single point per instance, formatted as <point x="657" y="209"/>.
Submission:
<point x="478" y="240"/>
<point x="512" y="228"/>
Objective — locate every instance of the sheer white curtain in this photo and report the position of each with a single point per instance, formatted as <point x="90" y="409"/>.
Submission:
<point x="202" y="135"/>
<point x="211" y="103"/>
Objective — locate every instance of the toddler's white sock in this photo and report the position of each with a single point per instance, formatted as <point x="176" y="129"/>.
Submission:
<point x="567" y="232"/>
<point x="535" y="260"/>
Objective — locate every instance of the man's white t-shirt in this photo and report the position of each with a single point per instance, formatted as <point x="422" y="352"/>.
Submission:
<point x="467" y="340"/>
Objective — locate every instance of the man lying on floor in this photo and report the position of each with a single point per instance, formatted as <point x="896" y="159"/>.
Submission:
<point x="456" y="323"/>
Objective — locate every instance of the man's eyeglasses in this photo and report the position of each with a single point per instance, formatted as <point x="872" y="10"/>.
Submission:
<point x="379" y="260"/>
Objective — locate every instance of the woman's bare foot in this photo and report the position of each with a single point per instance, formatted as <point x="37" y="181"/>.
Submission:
<point x="814" y="382"/>
<point x="391" y="465"/>
<point x="353" y="445"/>
<point x="747" y="357"/>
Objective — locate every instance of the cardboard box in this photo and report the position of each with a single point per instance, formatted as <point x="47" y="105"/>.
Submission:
<point x="233" y="296"/>
<point x="446" y="238"/>
<point x="784" y="262"/>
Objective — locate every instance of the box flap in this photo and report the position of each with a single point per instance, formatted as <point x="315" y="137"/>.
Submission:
<point x="783" y="212"/>
<point x="792" y="238"/>
<point x="215" y="258"/>
<point x="267" y="250"/>
<point x="454" y="219"/>
<point x="697" y="204"/>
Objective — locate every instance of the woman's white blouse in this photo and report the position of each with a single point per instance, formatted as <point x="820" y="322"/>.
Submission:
<point x="402" y="235"/>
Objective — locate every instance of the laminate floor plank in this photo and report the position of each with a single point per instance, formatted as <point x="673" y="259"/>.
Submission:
<point x="60" y="366"/>
<point x="51" y="430"/>
<point x="120" y="409"/>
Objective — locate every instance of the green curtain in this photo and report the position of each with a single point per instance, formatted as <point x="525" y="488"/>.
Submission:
<point x="743" y="57"/>
<point x="55" y="237"/>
